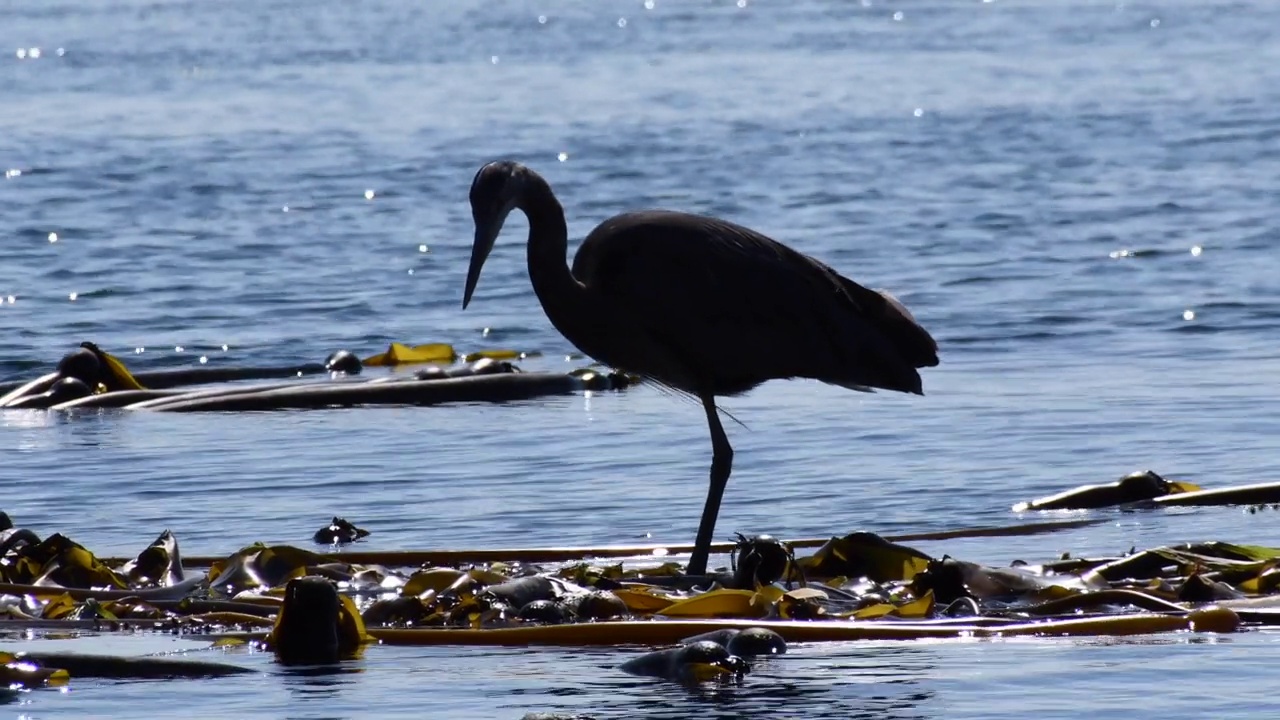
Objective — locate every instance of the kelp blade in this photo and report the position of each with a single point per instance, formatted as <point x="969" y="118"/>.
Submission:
<point x="401" y="354"/>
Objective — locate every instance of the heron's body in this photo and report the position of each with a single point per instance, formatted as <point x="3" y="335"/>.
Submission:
<point x="701" y="305"/>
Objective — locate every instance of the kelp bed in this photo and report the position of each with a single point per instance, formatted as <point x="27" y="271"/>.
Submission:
<point x="857" y="586"/>
<point x="326" y="607"/>
<point x="90" y="377"/>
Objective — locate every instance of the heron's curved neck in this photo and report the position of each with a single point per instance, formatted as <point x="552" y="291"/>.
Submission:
<point x="553" y="283"/>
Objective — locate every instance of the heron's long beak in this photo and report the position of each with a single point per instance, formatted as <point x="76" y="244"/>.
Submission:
<point x="486" y="233"/>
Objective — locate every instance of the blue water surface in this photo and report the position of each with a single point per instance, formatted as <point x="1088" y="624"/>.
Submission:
<point x="1077" y="199"/>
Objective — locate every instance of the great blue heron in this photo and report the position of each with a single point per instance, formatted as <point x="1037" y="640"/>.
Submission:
<point x="700" y="306"/>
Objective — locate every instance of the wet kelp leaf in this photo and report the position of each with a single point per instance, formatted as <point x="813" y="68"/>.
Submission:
<point x="262" y="566"/>
<point x="722" y="603"/>
<point x="339" y="531"/>
<point x="492" y="355"/>
<point x="64" y="607"/>
<point x="644" y="600"/>
<point x="12" y="540"/>
<point x="159" y="565"/>
<point x="395" y="611"/>
<point x="1181" y="560"/>
<point x="864" y="554"/>
<point x="18" y="672"/>
<point x="950" y="579"/>
<point x="401" y="354"/>
<point x="1265" y="582"/>
<point x="115" y="375"/>
<point x="58" y="561"/>
<point x="519" y="592"/>
<point x="590" y="575"/>
<point x="1232" y="551"/>
<point x="434" y="580"/>
<point x="799" y="604"/>
<point x="1132" y="488"/>
<point x="915" y="608"/>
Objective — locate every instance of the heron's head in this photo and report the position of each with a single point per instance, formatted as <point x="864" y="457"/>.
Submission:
<point x="495" y="192"/>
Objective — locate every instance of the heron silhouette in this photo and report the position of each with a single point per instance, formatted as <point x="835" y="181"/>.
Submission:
<point x="700" y="306"/>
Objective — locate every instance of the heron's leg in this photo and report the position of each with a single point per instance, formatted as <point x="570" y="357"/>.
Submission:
<point x="721" y="466"/>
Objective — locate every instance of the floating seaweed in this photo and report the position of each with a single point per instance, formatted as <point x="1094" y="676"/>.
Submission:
<point x="1147" y="489"/>
<point x="90" y="377"/>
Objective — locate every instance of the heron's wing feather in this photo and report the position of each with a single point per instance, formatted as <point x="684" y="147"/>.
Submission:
<point x="712" y="304"/>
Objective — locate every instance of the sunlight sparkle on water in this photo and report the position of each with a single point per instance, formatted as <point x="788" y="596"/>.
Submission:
<point x="1188" y="314"/>
<point x="1196" y="250"/>
<point x="53" y="237"/>
<point x="72" y="296"/>
<point x="563" y="156"/>
<point x="12" y="173"/>
<point x="368" y="194"/>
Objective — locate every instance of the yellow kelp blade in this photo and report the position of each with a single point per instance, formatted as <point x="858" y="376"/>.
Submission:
<point x="866" y="554"/>
<point x="401" y="354"/>
<point x="492" y="355"/>
<point x="723" y="603"/>
<point x="67" y="563"/>
<point x="706" y="672"/>
<point x="1246" y="552"/>
<point x="1264" y="583"/>
<point x="17" y="671"/>
<point x="435" y="579"/>
<point x="644" y="600"/>
<point x="159" y="564"/>
<point x="1182" y="486"/>
<point x="230" y="642"/>
<point x="352" y="636"/>
<point x="59" y="607"/>
<point x="921" y="607"/>
<point x="767" y="595"/>
<point x="117" y="373"/>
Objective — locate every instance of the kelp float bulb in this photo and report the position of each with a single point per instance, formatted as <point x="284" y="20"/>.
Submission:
<point x="1214" y="619"/>
<point x="306" y="630"/>
<point x="81" y="364"/>
<point x="69" y="388"/>
<point x="696" y="662"/>
<point x="343" y="361"/>
<point x="759" y="559"/>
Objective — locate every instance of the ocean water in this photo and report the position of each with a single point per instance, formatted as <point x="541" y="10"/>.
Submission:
<point x="1077" y="199"/>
